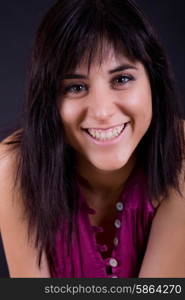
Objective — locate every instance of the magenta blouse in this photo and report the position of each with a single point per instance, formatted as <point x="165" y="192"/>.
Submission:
<point x="133" y="221"/>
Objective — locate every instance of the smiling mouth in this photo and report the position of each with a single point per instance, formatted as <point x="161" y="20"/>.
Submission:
<point x="106" y="134"/>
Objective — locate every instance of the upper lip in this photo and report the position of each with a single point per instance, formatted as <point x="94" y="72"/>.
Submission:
<point x="105" y="128"/>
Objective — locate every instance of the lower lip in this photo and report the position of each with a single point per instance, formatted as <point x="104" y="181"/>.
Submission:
<point x="107" y="142"/>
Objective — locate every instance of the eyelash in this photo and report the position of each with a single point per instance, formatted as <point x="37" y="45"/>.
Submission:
<point x="69" y="87"/>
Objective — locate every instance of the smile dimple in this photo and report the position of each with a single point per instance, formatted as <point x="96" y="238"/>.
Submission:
<point x="105" y="134"/>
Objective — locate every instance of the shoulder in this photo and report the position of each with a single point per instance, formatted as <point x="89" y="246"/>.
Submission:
<point x="20" y="252"/>
<point x="7" y="155"/>
<point x="167" y="233"/>
<point x="8" y="165"/>
<point x="8" y="150"/>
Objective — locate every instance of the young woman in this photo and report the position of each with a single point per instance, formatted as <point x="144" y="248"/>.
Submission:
<point x="92" y="184"/>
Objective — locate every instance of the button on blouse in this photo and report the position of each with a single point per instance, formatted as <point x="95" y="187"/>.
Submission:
<point x="117" y="223"/>
<point x="119" y="206"/>
<point x="113" y="262"/>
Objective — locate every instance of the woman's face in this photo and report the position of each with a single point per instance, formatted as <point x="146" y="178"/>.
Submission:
<point x="106" y="112"/>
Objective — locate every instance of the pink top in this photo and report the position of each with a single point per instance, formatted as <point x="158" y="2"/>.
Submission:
<point x="134" y="217"/>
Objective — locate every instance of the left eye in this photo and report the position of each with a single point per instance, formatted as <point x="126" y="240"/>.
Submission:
<point x="122" y="79"/>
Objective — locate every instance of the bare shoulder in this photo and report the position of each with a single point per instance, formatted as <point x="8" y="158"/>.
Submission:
<point x="8" y="165"/>
<point x="167" y="233"/>
<point x="20" y="252"/>
<point x="4" y="147"/>
<point x="8" y="159"/>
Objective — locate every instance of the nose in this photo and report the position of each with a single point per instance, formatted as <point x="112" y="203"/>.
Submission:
<point x="101" y="106"/>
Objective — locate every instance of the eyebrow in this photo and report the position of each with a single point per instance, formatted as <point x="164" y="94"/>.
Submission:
<point x="117" y="69"/>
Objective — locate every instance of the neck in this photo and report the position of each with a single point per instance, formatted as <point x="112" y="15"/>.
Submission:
<point x="103" y="183"/>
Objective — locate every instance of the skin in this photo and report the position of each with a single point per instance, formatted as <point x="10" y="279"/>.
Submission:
<point x="165" y="253"/>
<point x="101" y="100"/>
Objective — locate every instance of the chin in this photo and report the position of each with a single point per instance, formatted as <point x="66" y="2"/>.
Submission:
<point x="109" y="166"/>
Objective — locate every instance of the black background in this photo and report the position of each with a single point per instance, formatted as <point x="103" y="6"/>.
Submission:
<point x="18" y="23"/>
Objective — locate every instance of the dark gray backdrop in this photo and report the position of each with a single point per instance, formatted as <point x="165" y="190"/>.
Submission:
<point x="18" y="22"/>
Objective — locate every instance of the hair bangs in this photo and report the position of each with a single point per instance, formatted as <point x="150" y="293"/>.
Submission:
<point x="92" y="42"/>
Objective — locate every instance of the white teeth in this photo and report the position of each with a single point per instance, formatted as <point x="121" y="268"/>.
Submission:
<point x="105" y="134"/>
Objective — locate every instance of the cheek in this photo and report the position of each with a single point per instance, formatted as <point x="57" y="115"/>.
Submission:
<point x="139" y="105"/>
<point x="69" y="113"/>
<point x="145" y="109"/>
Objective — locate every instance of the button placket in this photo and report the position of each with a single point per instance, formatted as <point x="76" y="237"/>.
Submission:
<point x="117" y="223"/>
<point x="111" y="262"/>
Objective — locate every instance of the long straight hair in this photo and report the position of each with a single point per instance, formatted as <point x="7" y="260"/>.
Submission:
<point x="73" y="31"/>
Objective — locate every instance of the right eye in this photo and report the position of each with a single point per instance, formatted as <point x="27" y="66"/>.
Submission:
<point x="74" y="89"/>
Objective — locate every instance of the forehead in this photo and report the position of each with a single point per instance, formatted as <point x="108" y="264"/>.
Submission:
<point x="106" y="59"/>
